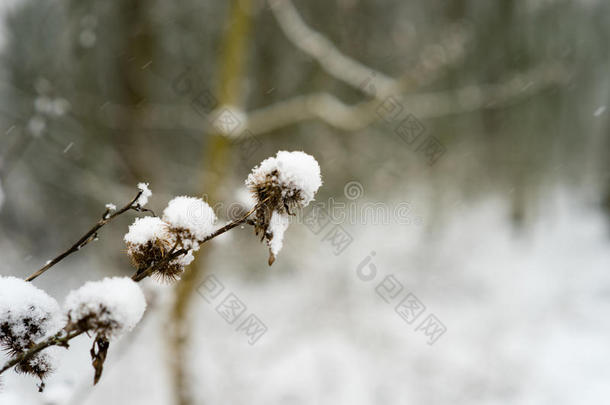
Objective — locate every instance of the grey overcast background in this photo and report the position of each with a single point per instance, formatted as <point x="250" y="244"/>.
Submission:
<point x="464" y="148"/>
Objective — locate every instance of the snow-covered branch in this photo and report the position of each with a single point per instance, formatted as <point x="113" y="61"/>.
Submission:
<point x="32" y="321"/>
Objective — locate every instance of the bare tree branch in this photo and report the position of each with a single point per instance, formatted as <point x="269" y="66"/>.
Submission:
<point x="352" y="117"/>
<point x="331" y="59"/>
<point x="334" y="112"/>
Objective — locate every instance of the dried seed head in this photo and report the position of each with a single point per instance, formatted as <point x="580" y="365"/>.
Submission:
<point x="281" y="185"/>
<point x="109" y="307"/>
<point x="27" y="314"/>
<point x="273" y="199"/>
<point x="191" y="219"/>
<point x="143" y="256"/>
<point x="172" y="271"/>
<point x="149" y="241"/>
<point x="38" y="365"/>
<point x="290" y="180"/>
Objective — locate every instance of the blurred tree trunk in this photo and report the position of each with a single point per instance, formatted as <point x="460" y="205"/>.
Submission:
<point x="139" y="50"/>
<point x="215" y="159"/>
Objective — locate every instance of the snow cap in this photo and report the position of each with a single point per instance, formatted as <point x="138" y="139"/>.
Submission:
<point x="27" y="313"/>
<point x="296" y="173"/>
<point x="191" y="214"/>
<point x="112" y="306"/>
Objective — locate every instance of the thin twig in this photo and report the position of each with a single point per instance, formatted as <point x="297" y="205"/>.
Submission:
<point x="59" y="339"/>
<point x="69" y="332"/>
<point x="87" y="237"/>
<point x="139" y="276"/>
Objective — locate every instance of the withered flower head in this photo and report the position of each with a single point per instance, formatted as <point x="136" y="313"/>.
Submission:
<point x="280" y="185"/>
<point x="287" y="181"/>
<point x="39" y="365"/>
<point x="149" y="241"/>
<point x="109" y="307"/>
<point x="27" y="314"/>
<point x="191" y="219"/>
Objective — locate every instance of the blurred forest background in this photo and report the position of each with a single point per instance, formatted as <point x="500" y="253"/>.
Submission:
<point x="506" y="236"/>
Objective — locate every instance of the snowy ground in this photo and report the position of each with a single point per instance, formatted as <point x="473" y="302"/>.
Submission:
<point x="524" y="313"/>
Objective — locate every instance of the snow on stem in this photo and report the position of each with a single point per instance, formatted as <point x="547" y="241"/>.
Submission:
<point x="162" y="246"/>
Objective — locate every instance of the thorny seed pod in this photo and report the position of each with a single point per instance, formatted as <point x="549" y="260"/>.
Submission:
<point x="39" y="365"/>
<point x="109" y="307"/>
<point x="149" y="241"/>
<point x="281" y="185"/>
<point x="27" y="314"/>
<point x="191" y="219"/>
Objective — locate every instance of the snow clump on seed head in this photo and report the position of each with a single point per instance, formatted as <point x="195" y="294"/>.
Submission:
<point x="149" y="242"/>
<point x="186" y="222"/>
<point x="290" y="178"/>
<point x="191" y="218"/>
<point x="27" y="314"/>
<point x="280" y="185"/>
<point x="109" y="307"/>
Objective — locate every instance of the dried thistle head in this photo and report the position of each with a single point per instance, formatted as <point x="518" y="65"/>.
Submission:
<point x="172" y="270"/>
<point x="191" y="219"/>
<point x="149" y="241"/>
<point x="109" y="307"/>
<point x="144" y="255"/>
<point x="13" y="342"/>
<point x="96" y="319"/>
<point x="272" y="197"/>
<point x="186" y="222"/>
<point x="39" y="365"/>
<point x="27" y="314"/>
<point x="281" y="185"/>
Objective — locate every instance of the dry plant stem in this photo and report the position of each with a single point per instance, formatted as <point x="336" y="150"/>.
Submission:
<point x="60" y="339"/>
<point x="64" y="336"/>
<point x="88" y="237"/>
